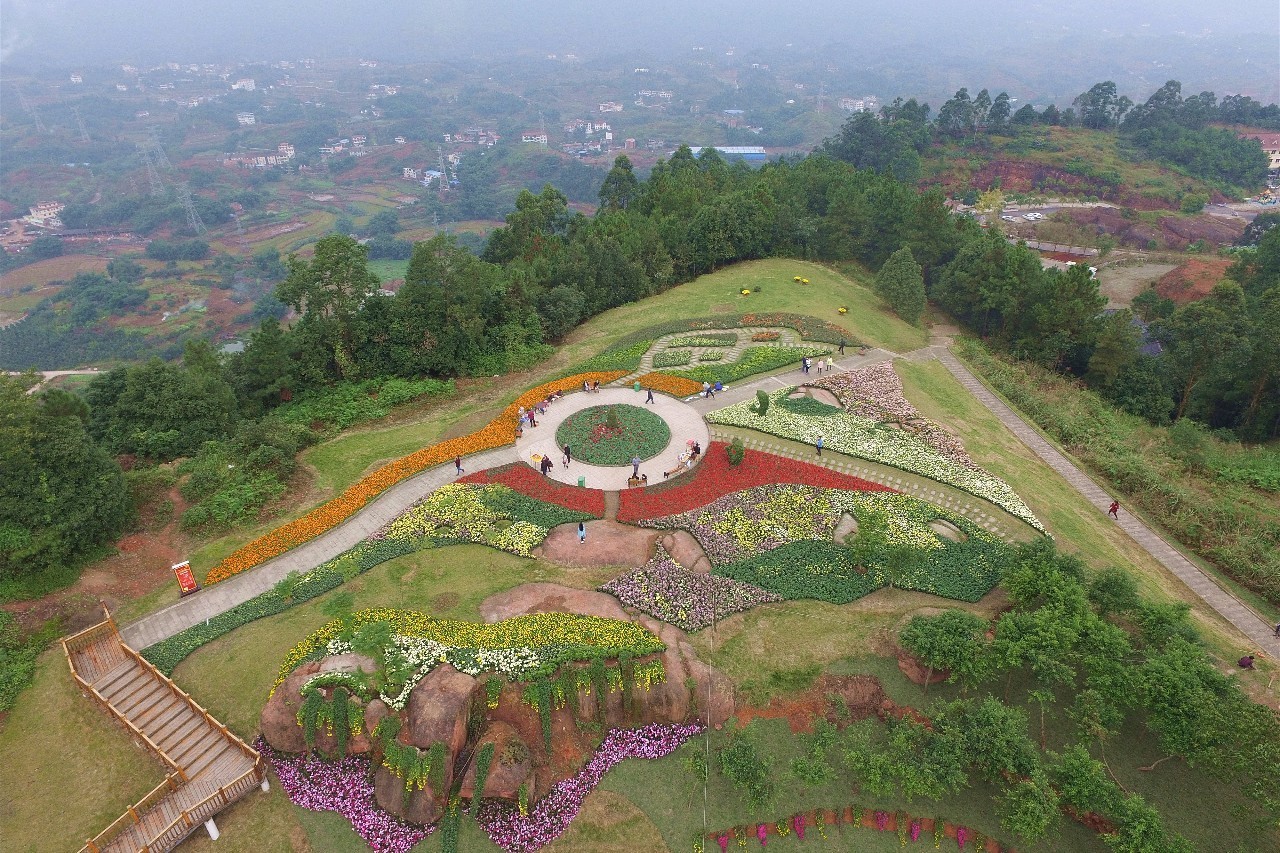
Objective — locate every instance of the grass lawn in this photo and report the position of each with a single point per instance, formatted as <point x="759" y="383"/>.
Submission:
<point x="60" y="268"/>
<point x="388" y="270"/>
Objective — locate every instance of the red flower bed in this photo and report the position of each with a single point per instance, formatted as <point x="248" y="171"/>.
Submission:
<point x="525" y="480"/>
<point x="715" y="478"/>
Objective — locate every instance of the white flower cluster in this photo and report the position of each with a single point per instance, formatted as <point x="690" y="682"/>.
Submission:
<point x="862" y="437"/>
<point x="425" y="655"/>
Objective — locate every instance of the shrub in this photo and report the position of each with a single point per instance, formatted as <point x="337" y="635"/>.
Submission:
<point x="762" y="402"/>
<point x="736" y="452"/>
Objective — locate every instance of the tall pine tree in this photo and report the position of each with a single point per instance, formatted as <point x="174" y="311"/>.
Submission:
<point x="901" y="284"/>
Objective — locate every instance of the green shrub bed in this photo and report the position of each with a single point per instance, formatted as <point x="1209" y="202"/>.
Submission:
<point x="673" y="358"/>
<point x="612" y="435"/>
<point x="753" y="360"/>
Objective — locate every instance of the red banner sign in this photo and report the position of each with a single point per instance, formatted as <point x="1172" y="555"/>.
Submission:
<point x="187" y="583"/>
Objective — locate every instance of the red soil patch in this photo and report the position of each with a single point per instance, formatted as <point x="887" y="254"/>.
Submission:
<point x="1192" y="280"/>
<point x="523" y="479"/>
<point x="142" y="564"/>
<point x="715" y="477"/>
<point x="608" y="544"/>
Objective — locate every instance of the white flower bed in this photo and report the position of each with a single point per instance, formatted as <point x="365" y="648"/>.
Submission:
<point x="424" y="655"/>
<point x="863" y="437"/>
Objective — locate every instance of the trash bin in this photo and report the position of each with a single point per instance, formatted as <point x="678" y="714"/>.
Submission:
<point x="637" y="386"/>
<point x="582" y="482"/>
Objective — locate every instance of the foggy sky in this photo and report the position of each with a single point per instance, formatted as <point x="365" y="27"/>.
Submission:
<point x="60" y="31"/>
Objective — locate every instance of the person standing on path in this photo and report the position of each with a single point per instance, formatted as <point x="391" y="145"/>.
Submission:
<point x="831" y="365"/>
<point x="582" y="533"/>
<point x="841" y="350"/>
<point x="1278" y="630"/>
<point x="532" y="421"/>
<point x="457" y="463"/>
<point x="1114" y="510"/>
<point x="819" y="445"/>
<point x="568" y="456"/>
<point x="546" y="465"/>
<point x="635" y="466"/>
<point x="649" y="397"/>
<point x="804" y="365"/>
<point x="821" y="365"/>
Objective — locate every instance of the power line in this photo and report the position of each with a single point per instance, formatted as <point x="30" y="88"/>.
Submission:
<point x="31" y="111"/>
<point x="84" y="132"/>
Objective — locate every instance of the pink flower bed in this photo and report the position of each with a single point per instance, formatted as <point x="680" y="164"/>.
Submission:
<point x="344" y="787"/>
<point x="551" y="815"/>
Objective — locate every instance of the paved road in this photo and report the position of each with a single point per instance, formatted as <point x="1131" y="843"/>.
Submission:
<point x="1259" y="632"/>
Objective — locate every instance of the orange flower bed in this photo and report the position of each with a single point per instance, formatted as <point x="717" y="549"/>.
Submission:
<point x="500" y="431"/>
<point x="676" y="386"/>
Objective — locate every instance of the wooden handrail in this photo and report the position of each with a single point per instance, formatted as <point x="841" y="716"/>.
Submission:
<point x="193" y="816"/>
<point x="154" y="796"/>
<point x="115" y="712"/>
<point x="244" y="748"/>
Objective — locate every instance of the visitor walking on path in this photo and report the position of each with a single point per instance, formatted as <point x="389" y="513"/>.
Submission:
<point x="568" y="456"/>
<point x="1278" y="630"/>
<point x="635" y="466"/>
<point x="707" y="390"/>
<point x="532" y="421"/>
<point x="546" y="465"/>
<point x="649" y="397"/>
<point x="831" y="365"/>
<point x="841" y="346"/>
<point x="457" y="463"/>
<point x="1114" y="510"/>
<point x="804" y="365"/>
<point x="821" y="364"/>
<point x="582" y="533"/>
<point x="819" y="445"/>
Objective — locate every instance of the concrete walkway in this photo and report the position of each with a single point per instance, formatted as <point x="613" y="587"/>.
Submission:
<point x="211" y="601"/>
<point x="685" y="422"/>
<point x="1259" y="632"/>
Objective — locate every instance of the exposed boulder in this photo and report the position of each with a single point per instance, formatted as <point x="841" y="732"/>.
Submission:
<point x="279" y="720"/>
<point x="510" y="768"/>
<point x="438" y="709"/>
<point x="350" y="662"/>
<point x="687" y="551"/>
<point x="419" y="806"/>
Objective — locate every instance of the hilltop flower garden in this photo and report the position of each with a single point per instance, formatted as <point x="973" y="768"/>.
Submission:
<point x="856" y="435"/>
<point x="666" y="590"/>
<point x="781" y="539"/>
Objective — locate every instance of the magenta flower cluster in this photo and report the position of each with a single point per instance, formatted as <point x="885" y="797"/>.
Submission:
<point x="690" y="601"/>
<point x="344" y="787"/>
<point x="518" y="833"/>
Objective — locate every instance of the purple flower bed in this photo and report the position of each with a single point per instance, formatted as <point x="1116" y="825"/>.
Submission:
<point x="667" y="591"/>
<point x="550" y="817"/>
<point x="343" y="787"/>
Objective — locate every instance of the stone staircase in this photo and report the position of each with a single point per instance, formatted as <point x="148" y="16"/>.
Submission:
<point x="209" y="767"/>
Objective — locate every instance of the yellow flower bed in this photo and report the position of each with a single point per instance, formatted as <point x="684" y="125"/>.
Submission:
<point x="534" y="631"/>
<point x="500" y="431"/>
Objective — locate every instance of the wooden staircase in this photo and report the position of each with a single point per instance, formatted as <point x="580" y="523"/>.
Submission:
<point x="210" y="767"/>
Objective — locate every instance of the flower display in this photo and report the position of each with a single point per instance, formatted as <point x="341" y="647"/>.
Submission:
<point x="863" y="437"/>
<point x="876" y="392"/>
<point x="344" y="786"/>
<point x="551" y="815"/>
<point x="612" y="435"/>
<point x="765" y="337"/>
<point x="554" y="637"/>
<point x="500" y="431"/>
<point x="755" y="520"/>
<point x="714" y="478"/>
<point x="753" y="360"/>
<point x="780" y="539"/>
<point x="690" y="601"/>
<point x="676" y="386"/>
<point x="525" y="480"/>
<point x="673" y="358"/>
<point x="712" y="339"/>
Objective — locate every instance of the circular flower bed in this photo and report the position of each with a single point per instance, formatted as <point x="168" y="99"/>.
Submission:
<point x="612" y="435"/>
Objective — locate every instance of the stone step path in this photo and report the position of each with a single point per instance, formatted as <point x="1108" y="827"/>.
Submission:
<point x="988" y="516"/>
<point x="1250" y="623"/>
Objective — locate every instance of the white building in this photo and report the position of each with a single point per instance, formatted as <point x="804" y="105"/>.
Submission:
<point x="246" y="118"/>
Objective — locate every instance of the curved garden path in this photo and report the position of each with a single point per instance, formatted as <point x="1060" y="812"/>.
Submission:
<point x="220" y="597"/>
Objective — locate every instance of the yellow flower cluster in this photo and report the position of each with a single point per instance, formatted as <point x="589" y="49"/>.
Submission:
<point x="536" y="630"/>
